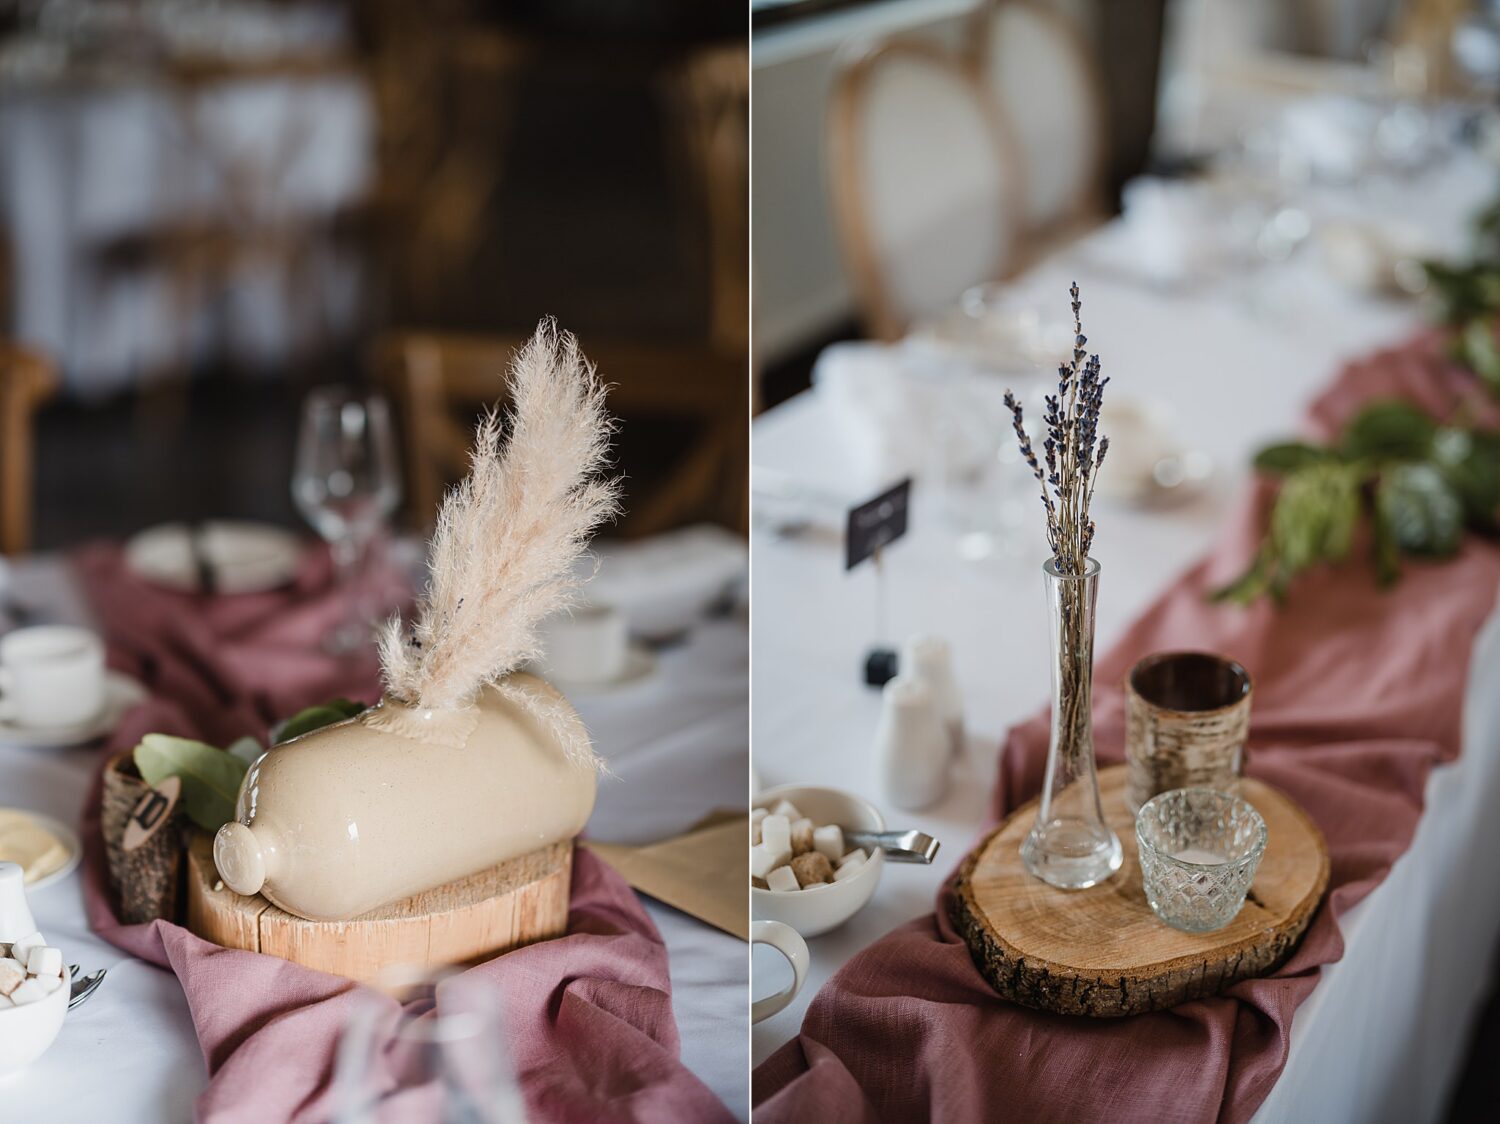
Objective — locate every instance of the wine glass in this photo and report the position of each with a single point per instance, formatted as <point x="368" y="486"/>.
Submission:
<point x="441" y="1055"/>
<point x="346" y="484"/>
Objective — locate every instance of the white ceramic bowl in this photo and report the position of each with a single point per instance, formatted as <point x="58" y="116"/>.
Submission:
<point x="26" y="1031"/>
<point x="821" y="908"/>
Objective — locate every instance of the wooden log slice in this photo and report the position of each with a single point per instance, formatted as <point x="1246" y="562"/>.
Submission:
<point x="518" y="902"/>
<point x="1101" y="952"/>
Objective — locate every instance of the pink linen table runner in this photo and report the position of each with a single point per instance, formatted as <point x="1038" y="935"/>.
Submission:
<point x="1358" y="694"/>
<point x="588" y="1017"/>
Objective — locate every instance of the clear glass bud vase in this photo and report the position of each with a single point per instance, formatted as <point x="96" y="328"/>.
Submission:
<point x="1070" y="845"/>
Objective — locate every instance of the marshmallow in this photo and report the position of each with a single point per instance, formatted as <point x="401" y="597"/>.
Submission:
<point x="44" y="961"/>
<point x="12" y="976"/>
<point x="786" y="808"/>
<point x="853" y="858"/>
<point x="829" y="841"/>
<point x="30" y="991"/>
<point x="802" y="836"/>
<point x="776" y="832"/>
<point x="782" y="879"/>
<point x="848" y="870"/>
<point x="764" y="859"/>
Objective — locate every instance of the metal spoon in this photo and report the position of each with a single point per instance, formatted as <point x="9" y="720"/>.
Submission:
<point x="85" y="987"/>
<point x="899" y="846"/>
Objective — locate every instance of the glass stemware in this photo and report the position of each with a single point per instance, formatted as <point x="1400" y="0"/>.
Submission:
<point x="346" y="484"/>
<point x="441" y="1055"/>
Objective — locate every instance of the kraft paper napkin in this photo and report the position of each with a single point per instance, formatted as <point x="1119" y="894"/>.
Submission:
<point x="704" y="872"/>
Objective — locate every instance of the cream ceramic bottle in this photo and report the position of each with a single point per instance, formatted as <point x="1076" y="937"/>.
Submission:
<point x="399" y="800"/>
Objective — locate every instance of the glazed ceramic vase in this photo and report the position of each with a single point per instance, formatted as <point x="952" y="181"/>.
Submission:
<point x="400" y="800"/>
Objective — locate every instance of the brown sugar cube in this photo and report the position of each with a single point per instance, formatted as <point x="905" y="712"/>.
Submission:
<point x="802" y="836"/>
<point x="811" y="869"/>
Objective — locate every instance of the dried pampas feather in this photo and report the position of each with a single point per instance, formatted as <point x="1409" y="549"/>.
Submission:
<point x="508" y="538"/>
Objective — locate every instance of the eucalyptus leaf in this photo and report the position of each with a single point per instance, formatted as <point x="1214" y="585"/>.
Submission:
<point x="1477" y="350"/>
<point x="1470" y="463"/>
<point x="210" y="777"/>
<point x="1389" y="430"/>
<point x="247" y="749"/>
<point x="1421" y="511"/>
<point x="317" y="717"/>
<point x="1289" y="456"/>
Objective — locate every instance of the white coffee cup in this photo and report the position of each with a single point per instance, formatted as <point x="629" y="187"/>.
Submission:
<point x="787" y="941"/>
<point x="51" y="675"/>
<point x="586" y="646"/>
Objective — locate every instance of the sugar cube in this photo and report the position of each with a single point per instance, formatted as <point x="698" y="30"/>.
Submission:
<point x="802" y="836"/>
<point x="829" y="841"/>
<point x="12" y="976"/>
<point x="764" y="859"/>
<point x="782" y="879"/>
<point x="5" y="1002"/>
<point x="776" y="832"/>
<point x="20" y="948"/>
<point x="30" y="991"/>
<point x="44" y="961"/>
<point x="849" y="870"/>
<point x="854" y="858"/>
<point x="49" y="983"/>
<point x="788" y="809"/>
<point x="812" y="869"/>
<point x="756" y="816"/>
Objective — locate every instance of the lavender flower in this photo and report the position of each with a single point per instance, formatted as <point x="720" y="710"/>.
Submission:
<point x="1073" y="450"/>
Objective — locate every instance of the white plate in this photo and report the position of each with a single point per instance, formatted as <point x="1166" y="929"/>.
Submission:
<point x="120" y="693"/>
<point x="244" y="557"/>
<point x="65" y="836"/>
<point x="640" y="665"/>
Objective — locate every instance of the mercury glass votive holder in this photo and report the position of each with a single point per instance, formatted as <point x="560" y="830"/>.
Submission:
<point x="1199" y="849"/>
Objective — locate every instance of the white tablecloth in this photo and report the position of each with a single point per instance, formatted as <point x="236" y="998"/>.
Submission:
<point x="1383" y="1032"/>
<point x="678" y="747"/>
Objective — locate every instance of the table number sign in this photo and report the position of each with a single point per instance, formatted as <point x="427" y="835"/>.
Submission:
<point x="876" y="523"/>
<point x="873" y="526"/>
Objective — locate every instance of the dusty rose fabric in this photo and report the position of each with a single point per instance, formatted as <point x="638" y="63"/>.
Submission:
<point x="1358" y="694"/>
<point x="588" y="1017"/>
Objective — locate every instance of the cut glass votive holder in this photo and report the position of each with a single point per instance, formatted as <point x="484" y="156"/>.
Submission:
<point x="1199" y="849"/>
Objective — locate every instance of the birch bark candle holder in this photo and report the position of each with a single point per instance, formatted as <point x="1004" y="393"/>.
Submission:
<point x="1187" y="715"/>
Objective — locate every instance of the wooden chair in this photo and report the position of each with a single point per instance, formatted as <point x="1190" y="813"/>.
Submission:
<point x="1045" y="81"/>
<point x="926" y="182"/>
<point x="26" y="381"/>
<point x="439" y="381"/>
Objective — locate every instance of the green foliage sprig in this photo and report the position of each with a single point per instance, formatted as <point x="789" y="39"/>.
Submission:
<point x="1420" y="484"/>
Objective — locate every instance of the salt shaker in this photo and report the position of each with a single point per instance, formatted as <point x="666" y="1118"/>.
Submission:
<point x="15" y="915"/>
<point x="928" y="659"/>
<point x="911" y="745"/>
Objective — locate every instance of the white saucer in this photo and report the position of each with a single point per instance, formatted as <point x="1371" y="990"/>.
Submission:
<point x="66" y="836"/>
<point x="243" y="557"/>
<point x="120" y="693"/>
<point x="640" y="665"/>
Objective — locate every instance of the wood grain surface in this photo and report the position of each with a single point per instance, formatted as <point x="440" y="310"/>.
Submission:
<point x="515" y="903"/>
<point x="1101" y="952"/>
